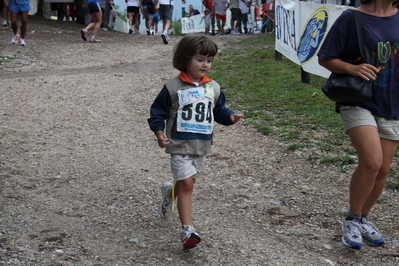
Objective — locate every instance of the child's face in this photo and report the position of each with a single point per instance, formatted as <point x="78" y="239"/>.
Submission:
<point x="198" y="66"/>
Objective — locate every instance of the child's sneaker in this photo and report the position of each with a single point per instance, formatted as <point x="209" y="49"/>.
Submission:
<point x="189" y="237"/>
<point x="83" y="32"/>
<point x="351" y="234"/>
<point x="94" y="39"/>
<point x="370" y="234"/>
<point x="15" y="38"/>
<point x="165" y="206"/>
<point x="22" y="42"/>
<point x="5" y="23"/>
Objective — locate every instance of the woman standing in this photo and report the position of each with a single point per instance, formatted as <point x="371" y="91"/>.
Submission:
<point x="133" y="13"/>
<point x="19" y="7"/>
<point x="373" y="125"/>
<point x="96" y="16"/>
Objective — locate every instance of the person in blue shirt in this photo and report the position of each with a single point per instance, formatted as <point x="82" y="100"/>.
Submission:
<point x="372" y="125"/>
<point x="21" y="7"/>
<point x="189" y="103"/>
<point x="97" y="17"/>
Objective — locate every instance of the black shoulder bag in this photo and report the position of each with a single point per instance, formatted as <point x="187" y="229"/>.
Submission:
<point x="150" y="8"/>
<point x="347" y="88"/>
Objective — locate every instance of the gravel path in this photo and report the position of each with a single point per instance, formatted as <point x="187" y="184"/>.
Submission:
<point x="80" y="171"/>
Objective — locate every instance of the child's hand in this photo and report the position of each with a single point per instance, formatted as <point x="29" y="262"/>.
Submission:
<point x="236" y="118"/>
<point x="162" y="139"/>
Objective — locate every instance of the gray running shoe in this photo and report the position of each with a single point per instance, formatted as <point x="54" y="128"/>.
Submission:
<point x="94" y="40"/>
<point x="165" y="38"/>
<point x="351" y="236"/>
<point x="370" y="234"/>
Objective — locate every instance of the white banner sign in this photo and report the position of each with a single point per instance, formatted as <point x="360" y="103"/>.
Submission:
<point x="194" y="24"/>
<point x="300" y="31"/>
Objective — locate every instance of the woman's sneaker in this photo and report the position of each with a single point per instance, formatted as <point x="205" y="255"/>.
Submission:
<point x="370" y="234"/>
<point x="15" y="38"/>
<point x="94" y="40"/>
<point x="83" y="32"/>
<point x="22" y="42"/>
<point x="165" y="206"/>
<point x="189" y="237"/>
<point x="351" y="234"/>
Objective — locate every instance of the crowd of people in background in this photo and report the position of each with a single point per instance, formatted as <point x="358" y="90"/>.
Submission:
<point x="101" y="15"/>
<point x="214" y="16"/>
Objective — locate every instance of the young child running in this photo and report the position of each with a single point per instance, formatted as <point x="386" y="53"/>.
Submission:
<point x="190" y="103"/>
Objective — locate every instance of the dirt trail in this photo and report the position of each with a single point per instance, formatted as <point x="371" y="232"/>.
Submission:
<point x="80" y="171"/>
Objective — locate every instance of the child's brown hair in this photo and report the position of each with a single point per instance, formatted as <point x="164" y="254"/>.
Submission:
<point x="189" y="46"/>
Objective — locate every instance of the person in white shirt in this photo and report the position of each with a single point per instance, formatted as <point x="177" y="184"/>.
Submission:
<point x="133" y="13"/>
<point x="244" y="6"/>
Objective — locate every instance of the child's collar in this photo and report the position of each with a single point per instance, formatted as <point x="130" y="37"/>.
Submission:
<point x="185" y="78"/>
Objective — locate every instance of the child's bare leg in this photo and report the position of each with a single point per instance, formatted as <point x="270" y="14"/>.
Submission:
<point x="184" y="190"/>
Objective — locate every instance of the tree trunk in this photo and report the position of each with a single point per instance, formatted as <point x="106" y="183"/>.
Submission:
<point x="80" y="14"/>
<point x="278" y="56"/>
<point x="40" y="8"/>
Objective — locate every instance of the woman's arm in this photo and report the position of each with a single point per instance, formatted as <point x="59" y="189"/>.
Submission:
<point x="365" y="71"/>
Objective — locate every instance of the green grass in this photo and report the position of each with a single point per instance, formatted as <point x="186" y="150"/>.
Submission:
<point x="5" y="58"/>
<point x="274" y="100"/>
<point x="392" y="179"/>
<point x="271" y="95"/>
<point x="176" y="26"/>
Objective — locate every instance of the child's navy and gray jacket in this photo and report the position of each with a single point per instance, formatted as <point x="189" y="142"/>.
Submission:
<point x="190" y="112"/>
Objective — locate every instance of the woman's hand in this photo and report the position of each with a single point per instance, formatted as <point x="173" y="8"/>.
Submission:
<point x="364" y="71"/>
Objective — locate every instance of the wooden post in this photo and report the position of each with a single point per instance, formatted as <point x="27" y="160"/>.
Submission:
<point x="278" y="56"/>
<point x="305" y="77"/>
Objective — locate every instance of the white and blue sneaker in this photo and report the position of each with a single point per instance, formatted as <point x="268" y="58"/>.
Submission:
<point x="370" y="234"/>
<point x="351" y="234"/>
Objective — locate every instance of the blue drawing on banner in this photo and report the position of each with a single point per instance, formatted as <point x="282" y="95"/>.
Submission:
<point x="191" y="95"/>
<point x="285" y="26"/>
<point x="312" y="35"/>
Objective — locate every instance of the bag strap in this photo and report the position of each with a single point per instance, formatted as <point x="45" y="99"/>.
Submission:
<point x="363" y="38"/>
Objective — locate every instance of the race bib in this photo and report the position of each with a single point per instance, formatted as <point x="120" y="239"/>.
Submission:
<point x="195" y="114"/>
